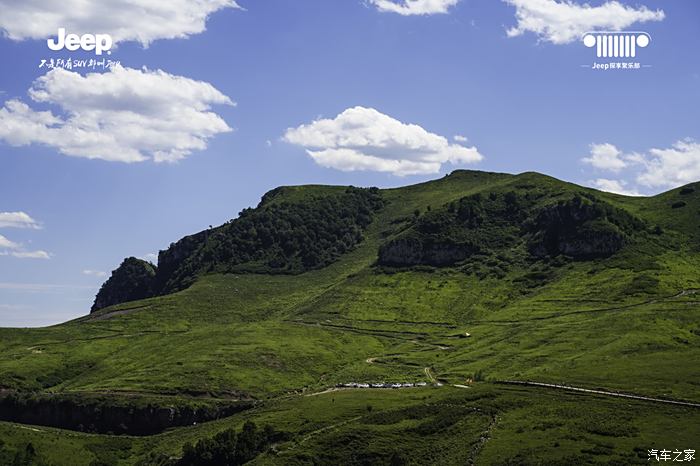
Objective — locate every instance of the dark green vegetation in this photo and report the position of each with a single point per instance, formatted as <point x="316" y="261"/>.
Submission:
<point x="227" y="447"/>
<point x="23" y="455"/>
<point x="580" y="226"/>
<point x="474" y="277"/>
<point x="278" y="236"/>
<point x="134" y="279"/>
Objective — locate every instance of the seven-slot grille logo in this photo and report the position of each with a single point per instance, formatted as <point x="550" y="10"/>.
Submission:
<point x="616" y="44"/>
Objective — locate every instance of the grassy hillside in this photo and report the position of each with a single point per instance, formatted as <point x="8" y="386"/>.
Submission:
<point x="514" y="301"/>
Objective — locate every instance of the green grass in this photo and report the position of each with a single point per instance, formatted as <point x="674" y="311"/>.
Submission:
<point x="496" y="424"/>
<point x="616" y="323"/>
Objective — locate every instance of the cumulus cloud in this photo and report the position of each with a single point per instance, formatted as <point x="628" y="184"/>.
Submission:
<point x="11" y="248"/>
<point x="614" y="186"/>
<point x="7" y="244"/>
<point x="362" y="138"/>
<point x="95" y="273"/>
<point x="460" y="138"/>
<point x="124" y="115"/>
<point x="565" y="21"/>
<point x="606" y="157"/>
<point x="17" y="220"/>
<point x="31" y="254"/>
<point x="414" y="7"/>
<point x="675" y="166"/>
<point x="125" y="20"/>
<point x="655" y="168"/>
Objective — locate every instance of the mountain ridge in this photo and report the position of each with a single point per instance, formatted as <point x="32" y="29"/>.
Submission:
<point x="176" y="271"/>
<point x="625" y="319"/>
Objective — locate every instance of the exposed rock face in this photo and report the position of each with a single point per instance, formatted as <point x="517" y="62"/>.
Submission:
<point x="406" y="252"/>
<point x="401" y="252"/>
<point x="133" y="279"/>
<point x="451" y="234"/>
<point x="107" y="417"/>
<point x="171" y="260"/>
<point x="581" y="229"/>
<point x="586" y="243"/>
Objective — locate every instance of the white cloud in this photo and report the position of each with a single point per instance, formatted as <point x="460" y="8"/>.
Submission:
<point x="362" y="138"/>
<point x="672" y="167"/>
<point x="11" y="248"/>
<point x="17" y="220"/>
<point x="124" y="115"/>
<point x="94" y="273"/>
<point x="655" y="168"/>
<point x="125" y="20"/>
<point x="414" y="7"/>
<point x="460" y="138"/>
<point x="7" y="244"/>
<point x="31" y="254"/>
<point x="606" y="157"/>
<point x="614" y="186"/>
<point x="565" y="21"/>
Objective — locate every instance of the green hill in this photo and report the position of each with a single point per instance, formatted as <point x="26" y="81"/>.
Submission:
<point x="467" y="281"/>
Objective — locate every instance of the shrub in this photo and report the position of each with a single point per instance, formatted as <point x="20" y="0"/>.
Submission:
<point x="229" y="448"/>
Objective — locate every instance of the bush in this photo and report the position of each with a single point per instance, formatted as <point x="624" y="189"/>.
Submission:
<point x="229" y="448"/>
<point x="678" y="205"/>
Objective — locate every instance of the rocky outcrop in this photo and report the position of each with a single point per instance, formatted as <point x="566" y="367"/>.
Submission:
<point x="453" y="233"/>
<point x="582" y="229"/>
<point x="277" y="237"/>
<point x="106" y="416"/>
<point x="171" y="274"/>
<point x="134" y="279"/>
<point x="406" y="252"/>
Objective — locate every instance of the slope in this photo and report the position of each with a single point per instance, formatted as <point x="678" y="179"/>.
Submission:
<point x="624" y="319"/>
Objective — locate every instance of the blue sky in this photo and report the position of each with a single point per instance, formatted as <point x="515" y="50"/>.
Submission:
<point x="356" y="75"/>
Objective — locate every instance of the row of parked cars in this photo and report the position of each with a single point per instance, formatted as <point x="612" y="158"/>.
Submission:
<point x="383" y="385"/>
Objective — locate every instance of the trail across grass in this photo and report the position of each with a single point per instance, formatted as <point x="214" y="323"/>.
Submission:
<point x="599" y="392"/>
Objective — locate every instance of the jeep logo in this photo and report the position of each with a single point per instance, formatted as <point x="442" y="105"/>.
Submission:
<point x="97" y="42"/>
